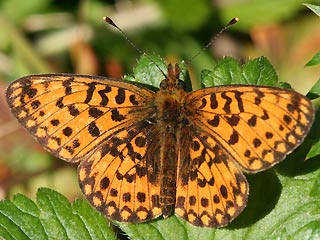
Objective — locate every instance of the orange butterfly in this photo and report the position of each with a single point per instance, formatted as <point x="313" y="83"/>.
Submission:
<point x="143" y="154"/>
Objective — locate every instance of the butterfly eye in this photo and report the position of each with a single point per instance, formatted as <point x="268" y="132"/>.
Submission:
<point x="181" y="84"/>
<point x="164" y="84"/>
<point x="185" y="121"/>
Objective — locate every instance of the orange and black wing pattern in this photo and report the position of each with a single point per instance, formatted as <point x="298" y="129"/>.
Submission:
<point x="70" y="115"/>
<point x="234" y="129"/>
<point x="103" y="124"/>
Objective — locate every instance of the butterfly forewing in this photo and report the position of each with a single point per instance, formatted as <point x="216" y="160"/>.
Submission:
<point x="72" y="114"/>
<point x="257" y="126"/>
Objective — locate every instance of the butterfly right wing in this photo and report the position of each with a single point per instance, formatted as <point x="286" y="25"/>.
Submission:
<point x="70" y="115"/>
<point x="107" y="126"/>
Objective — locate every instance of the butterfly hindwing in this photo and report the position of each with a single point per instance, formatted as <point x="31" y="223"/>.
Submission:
<point x="211" y="189"/>
<point x="121" y="178"/>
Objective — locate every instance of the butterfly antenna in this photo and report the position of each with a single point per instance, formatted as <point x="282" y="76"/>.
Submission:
<point x="233" y="21"/>
<point x="110" y="22"/>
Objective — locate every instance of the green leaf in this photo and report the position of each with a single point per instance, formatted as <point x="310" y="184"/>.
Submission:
<point x="93" y="221"/>
<point x="314" y="8"/>
<point x="259" y="71"/>
<point x="148" y="71"/>
<point x="314" y="151"/>
<point x="315" y="60"/>
<point x="53" y="218"/>
<point x="19" y="219"/>
<point x="228" y="71"/>
<point x="151" y="70"/>
<point x="314" y="91"/>
<point x="316" y="88"/>
<point x="315" y="190"/>
<point x="314" y="137"/>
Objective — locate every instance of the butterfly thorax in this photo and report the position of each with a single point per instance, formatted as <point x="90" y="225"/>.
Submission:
<point x="169" y="101"/>
<point x="170" y="98"/>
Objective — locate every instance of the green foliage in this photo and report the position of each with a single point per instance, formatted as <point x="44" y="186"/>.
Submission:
<point x="314" y="8"/>
<point x="181" y="30"/>
<point x="284" y="202"/>
<point x="53" y="217"/>
<point x="315" y="91"/>
<point x="315" y="60"/>
<point x="148" y="71"/>
<point x="151" y="70"/>
<point x="228" y="71"/>
<point x="314" y="133"/>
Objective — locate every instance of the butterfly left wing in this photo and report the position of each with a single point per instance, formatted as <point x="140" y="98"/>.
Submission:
<point x="258" y="126"/>
<point x="233" y="128"/>
<point x="211" y="189"/>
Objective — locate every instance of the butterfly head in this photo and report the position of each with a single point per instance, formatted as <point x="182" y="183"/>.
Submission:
<point x="172" y="81"/>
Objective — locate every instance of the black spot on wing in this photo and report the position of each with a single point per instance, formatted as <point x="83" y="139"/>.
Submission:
<point x="213" y="101"/>
<point x="73" y="110"/>
<point x="93" y="129"/>
<point x="239" y="100"/>
<point x="121" y="97"/>
<point x="35" y="104"/>
<point x="116" y="116"/>
<point x="226" y="106"/>
<point x="90" y="91"/>
<point x="95" y="112"/>
<point x="133" y="100"/>
<point x="215" y="121"/>
<point x="103" y="95"/>
<point x="67" y="86"/>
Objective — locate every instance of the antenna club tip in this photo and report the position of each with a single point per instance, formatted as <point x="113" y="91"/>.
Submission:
<point x="108" y="20"/>
<point x="234" y="21"/>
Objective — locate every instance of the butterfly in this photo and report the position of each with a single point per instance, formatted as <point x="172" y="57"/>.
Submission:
<point x="144" y="153"/>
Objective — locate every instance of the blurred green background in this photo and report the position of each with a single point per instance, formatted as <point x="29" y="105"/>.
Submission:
<point x="46" y="36"/>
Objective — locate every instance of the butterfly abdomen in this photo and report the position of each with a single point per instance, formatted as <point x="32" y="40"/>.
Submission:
<point x="168" y="173"/>
<point x="169" y="115"/>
